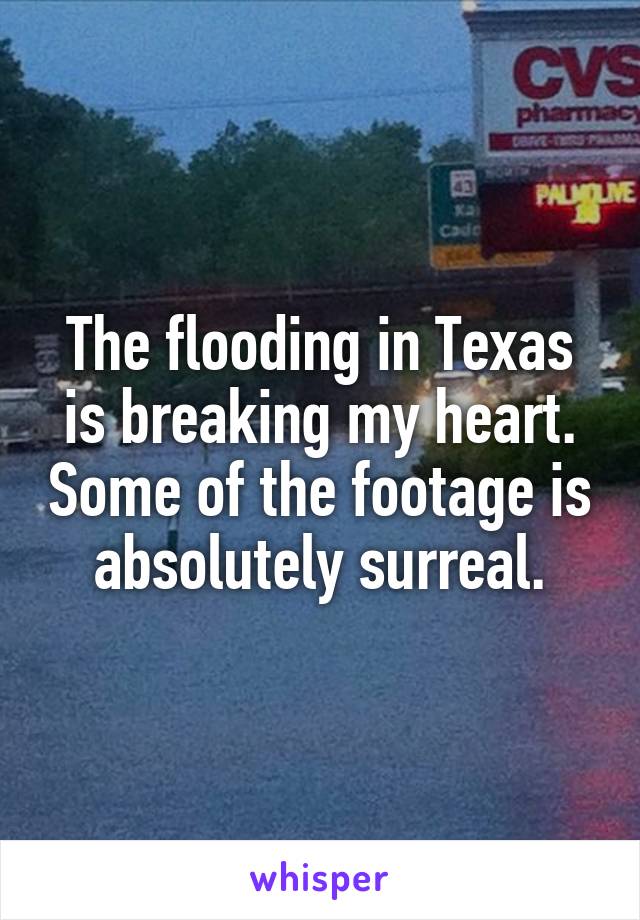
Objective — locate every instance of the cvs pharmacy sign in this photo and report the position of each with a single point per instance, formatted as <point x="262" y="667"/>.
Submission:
<point x="543" y="71"/>
<point x="566" y="91"/>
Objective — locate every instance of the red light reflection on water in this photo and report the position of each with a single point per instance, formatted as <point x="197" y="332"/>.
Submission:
<point x="590" y="698"/>
<point x="594" y="552"/>
<point x="598" y="802"/>
<point x="598" y="797"/>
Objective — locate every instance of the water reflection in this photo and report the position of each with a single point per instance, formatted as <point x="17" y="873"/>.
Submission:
<point x="389" y="714"/>
<point x="591" y="636"/>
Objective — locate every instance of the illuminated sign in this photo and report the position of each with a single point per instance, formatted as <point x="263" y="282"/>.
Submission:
<point x="556" y="86"/>
<point x="559" y="215"/>
<point x="588" y="200"/>
<point x="563" y="101"/>
<point x="454" y="223"/>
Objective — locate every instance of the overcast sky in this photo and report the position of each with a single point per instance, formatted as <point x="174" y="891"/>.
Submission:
<point x="243" y="57"/>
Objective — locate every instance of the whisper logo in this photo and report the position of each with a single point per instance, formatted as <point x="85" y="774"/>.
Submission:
<point x="335" y="882"/>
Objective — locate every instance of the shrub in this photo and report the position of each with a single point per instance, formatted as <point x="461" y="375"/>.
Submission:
<point x="606" y="447"/>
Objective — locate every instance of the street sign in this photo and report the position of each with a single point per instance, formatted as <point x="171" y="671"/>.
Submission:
<point x="556" y="86"/>
<point x="454" y="223"/>
<point x="47" y="365"/>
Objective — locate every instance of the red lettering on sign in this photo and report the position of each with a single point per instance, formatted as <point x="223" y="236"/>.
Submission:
<point x="523" y="77"/>
<point x="584" y="81"/>
<point x="555" y="65"/>
<point x="621" y="64"/>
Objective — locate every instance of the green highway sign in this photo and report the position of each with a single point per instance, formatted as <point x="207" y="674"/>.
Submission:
<point x="454" y="223"/>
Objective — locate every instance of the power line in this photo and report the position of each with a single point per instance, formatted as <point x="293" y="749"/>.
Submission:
<point x="195" y="105"/>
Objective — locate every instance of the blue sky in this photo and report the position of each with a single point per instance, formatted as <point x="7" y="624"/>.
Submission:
<point x="244" y="56"/>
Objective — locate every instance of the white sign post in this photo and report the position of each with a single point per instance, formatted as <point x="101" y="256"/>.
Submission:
<point x="586" y="292"/>
<point x="47" y="365"/>
<point x="559" y="89"/>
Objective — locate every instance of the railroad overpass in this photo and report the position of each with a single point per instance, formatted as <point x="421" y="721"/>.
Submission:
<point x="539" y="297"/>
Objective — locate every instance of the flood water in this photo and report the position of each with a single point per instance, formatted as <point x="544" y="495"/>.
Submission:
<point x="434" y="714"/>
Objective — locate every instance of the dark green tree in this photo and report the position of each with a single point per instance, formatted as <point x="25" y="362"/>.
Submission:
<point x="116" y="211"/>
<point x="91" y="205"/>
<point x="253" y="197"/>
<point x="453" y="149"/>
<point x="376" y="202"/>
<point x="33" y="129"/>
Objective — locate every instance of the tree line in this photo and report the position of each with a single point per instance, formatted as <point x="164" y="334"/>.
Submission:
<point x="91" y="205"/>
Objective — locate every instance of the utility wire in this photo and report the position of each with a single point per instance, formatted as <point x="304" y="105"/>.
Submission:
<point x="194" y="105"/>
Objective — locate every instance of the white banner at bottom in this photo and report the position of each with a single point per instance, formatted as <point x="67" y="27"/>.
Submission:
<point x="243" y="880"/>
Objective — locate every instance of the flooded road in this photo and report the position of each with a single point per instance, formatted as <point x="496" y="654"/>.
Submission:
<point x="389" y="714"/>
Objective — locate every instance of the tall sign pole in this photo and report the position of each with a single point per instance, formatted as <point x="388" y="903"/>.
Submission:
<point x="557" y="133"/>
<point x="586" y="323"/>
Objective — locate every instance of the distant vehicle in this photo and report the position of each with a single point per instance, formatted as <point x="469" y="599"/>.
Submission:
<point x="458" y="372"/>
<point x="614" y="384"/>
<point x="20" y="413"/>
<point x="26" y="423"/>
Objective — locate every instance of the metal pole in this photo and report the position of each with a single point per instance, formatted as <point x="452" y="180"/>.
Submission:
<point x="586" y="293"/>
<point x="172" y="533"/>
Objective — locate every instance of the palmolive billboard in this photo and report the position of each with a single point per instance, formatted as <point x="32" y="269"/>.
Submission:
<point x="556" y="86"/>
<point x="556" y="214"/>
